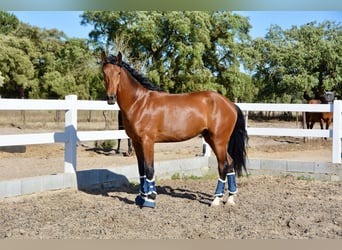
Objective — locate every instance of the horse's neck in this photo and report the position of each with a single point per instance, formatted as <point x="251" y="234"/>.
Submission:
<point x="130" y="91"/>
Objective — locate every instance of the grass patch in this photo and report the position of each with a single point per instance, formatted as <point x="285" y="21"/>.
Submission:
<point x="305" y="178"/>
<point x="106" y="145"/>
<point x="134" y="183"/>
<point x="177" y="176"/>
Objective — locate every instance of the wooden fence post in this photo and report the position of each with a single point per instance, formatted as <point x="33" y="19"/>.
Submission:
<point x="70" y="131"/>
<point x="337" y="132"/>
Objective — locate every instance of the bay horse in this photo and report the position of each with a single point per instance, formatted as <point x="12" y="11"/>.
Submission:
<point x="321" y="117"/>
<point x="151" y="115"/>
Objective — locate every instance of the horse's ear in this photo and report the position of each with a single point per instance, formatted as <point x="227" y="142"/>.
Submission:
<point x="103" y="57"/>
<point x="119" y="57"/>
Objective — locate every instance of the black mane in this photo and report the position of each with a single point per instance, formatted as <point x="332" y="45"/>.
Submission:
<point x="139" y="77"/>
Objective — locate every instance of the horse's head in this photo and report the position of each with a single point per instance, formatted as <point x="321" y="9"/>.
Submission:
<point x="329" y="96"/>
<point x="111" y="73"/>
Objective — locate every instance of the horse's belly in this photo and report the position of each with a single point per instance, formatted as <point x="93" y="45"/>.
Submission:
<point x="179" y="130"/>
<point x="175" y="137"/>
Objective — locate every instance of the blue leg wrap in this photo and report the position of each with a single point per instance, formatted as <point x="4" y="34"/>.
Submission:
<point x="147" y="194"/>
<point x="143" y="185"/>
<point x="231" y="183"/>
<point x="151" y="186"/>
<point x="220" y="187"/>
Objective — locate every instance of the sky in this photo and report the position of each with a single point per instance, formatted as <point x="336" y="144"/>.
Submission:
<point x="69" y="21"/>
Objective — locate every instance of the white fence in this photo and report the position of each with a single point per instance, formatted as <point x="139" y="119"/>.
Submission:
<point x="335" y="133"/>
<point x="71" y="135"/>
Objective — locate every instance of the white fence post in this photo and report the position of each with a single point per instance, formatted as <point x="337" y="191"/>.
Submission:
<point x="337" y="132"/>
<point x="70" y="130"/>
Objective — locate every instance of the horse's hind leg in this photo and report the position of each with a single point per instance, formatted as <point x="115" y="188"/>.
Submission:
<point x="225" y="169"/>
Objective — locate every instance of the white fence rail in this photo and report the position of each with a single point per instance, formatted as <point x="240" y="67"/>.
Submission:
<point x="335" y="133"/>
<point x="71" y="135"/>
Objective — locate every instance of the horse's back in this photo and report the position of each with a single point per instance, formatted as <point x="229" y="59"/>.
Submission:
<point x="210" y="103"/>
<point x="200" y="100"/>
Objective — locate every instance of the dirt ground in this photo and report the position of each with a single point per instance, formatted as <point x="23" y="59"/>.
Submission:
<point x="267" y="207"/>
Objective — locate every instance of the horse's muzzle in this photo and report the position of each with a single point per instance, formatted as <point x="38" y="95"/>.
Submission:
<point x="111" y="99"/>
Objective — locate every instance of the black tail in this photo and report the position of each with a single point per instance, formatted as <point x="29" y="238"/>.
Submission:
<point x="238" y="142"/>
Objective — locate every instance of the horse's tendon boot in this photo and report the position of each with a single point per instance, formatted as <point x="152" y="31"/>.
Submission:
<point x="145" y="201"/>
<point x="232" y="183"/>
<point x="219" y="193"/>
<point x="147" y="194"/>
<point x="151" y="187"/>
<point x="220" y="187"/>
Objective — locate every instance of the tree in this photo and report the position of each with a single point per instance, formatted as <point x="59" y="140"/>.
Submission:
<point x="41" y="63"/>
<point x="180" y="50"/>
<point x="8" y="22"/>
<point x="16" y="66"/>
<point x="306" y="58"/>
<point x="1" y="80"/>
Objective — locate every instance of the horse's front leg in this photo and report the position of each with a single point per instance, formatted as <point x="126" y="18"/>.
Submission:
<point x="118" y="147"/>
<point x="148" y="192"/>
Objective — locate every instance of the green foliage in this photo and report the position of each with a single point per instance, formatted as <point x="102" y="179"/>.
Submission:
<point x="1" y="79"/>
<point x="106" y="144"/>
<point x="40" y="63"/>
<point x="134" y="184"/>
<point x="176" y="176"/>
<point x="8" y="22"/>
<point x="306" y="58"/>
<point x="182" y="51"/>
<point x="15" y="64"/>
<point x="305" y="178"/>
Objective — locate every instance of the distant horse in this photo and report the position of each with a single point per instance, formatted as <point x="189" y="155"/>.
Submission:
<point x="152" y="116"/>
<point x="321" y="117"/>
<point x="129" y="141"/>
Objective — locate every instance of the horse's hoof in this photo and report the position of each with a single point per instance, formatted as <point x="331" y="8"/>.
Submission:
<point x="144" y="202"/>
<point x="216" y="202"/>
<point x="127" y="154"/>
<point x="230" y="200"/>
